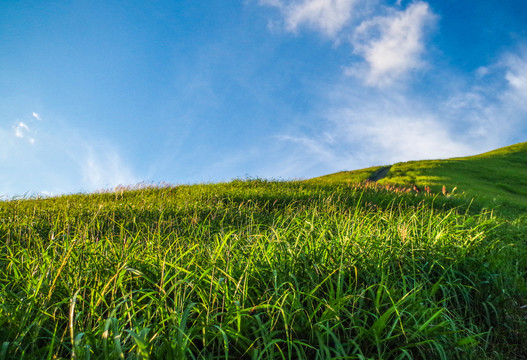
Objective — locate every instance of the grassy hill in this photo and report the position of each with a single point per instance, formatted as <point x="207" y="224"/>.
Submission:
<point x="334" y="268"/>
<point x="496" y="179"/>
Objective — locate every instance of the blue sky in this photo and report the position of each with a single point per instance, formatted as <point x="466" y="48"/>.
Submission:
<point x="96" y="93"/>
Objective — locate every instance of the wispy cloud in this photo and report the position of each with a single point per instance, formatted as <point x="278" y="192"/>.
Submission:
<point x="66" y="160"/>
<point x="364" y="126"/>
<point x="391" y="45"/>
<point x="494" y="105"/>
<point x="516" y="76"/>
<point x="359" y="134"/>
<point x="102" y="167"/>
<point x="327" y="16"/>
<point x="393" y="132"/>
<point x="376" y="121"/>
<point x="21" y="129"/>
<point x="36" y="116"/>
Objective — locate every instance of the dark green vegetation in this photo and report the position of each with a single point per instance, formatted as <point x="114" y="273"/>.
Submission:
<point x="261" y="270"/>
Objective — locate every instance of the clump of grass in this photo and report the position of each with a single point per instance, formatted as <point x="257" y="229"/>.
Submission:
<point x="256" y="270"/>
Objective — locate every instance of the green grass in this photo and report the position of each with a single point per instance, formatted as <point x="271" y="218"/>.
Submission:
<point x="260" y="270"/>
<point x="495" y="180"/>
<point x="356" y="176"/>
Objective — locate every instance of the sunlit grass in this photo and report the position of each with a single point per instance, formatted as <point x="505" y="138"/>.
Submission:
<point x="496" y="180"/>
<point x="259" y="270"/>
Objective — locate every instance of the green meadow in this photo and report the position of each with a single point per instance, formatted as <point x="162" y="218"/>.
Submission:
<point x="331" y="268"/>
<point x="496" y="180"/>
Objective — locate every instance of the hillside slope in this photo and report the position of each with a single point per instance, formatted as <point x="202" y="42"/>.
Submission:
<point x="496" y="179"/>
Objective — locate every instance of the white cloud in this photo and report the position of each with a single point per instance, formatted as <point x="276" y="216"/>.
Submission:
<point x="392" y="45"/>
<point x="516" y="76"/>
<point x="327" y="16"/>
<point x="359" y="125"/>
<point x="364" y="126"/>
<point x="494" y="105"/>
<point x="21" y="129"/>
<point x="392" y="128"/>
<point x="36" y="116"/>
<point x="393" y="138"/>
<point x="62" y="160"/>
<point x="362" y="139"/>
